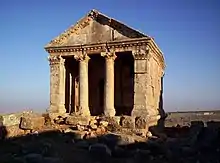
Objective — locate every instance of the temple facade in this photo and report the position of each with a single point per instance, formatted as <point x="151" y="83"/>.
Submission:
<point x="100" y="66"/>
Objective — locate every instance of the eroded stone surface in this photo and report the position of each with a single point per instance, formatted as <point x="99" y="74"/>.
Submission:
<point x="128" y="122"/>
<point x="13" y="118"/>
<point x="32" y="122"/>
<point x="141" y="123"/>
<point x="75" y="120"/>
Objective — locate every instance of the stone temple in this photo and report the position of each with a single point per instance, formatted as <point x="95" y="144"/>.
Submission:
<point x="100" y="66"/>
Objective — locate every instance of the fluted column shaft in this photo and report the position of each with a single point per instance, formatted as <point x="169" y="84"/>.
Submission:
<point x="109" y="109"/>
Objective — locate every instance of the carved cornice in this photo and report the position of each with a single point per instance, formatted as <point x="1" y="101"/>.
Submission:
<point x="55" y="60"/>
<point x="157" y="53"/>
<point x="100" y="46"/>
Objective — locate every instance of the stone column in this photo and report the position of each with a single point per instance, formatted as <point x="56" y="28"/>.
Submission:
<point x="109" y="109"/>
<point x="70" y="92"/>
<point x="141" y="78"/>
<point x="83" y="84"/>
<point x="57" y="85"/>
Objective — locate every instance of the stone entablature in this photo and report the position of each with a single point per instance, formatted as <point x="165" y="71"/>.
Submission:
<point x="147" y="44"/>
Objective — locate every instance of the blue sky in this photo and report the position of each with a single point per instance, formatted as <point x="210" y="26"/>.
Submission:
<point x="187" y="31"/>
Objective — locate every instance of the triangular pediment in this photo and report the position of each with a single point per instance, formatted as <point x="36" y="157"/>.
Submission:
<point x="94" y="28"/>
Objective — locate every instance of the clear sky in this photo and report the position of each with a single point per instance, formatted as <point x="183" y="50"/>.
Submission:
<point x="187" y="31"/>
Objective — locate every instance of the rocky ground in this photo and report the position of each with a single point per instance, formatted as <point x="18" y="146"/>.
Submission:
<point x="61" y="143"/>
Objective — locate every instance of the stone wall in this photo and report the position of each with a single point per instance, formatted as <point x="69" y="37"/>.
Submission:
<point x="154" y="85"/>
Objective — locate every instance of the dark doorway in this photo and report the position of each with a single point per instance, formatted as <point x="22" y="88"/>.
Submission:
<point x="71" y="78"/>
<point x="96" y="84"/>
<point x="124" y="83"/>
<point x="101" y="92"/>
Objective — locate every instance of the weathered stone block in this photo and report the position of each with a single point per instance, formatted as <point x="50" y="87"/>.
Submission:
<point x="141" y="123"/>
<point x="12" y="131"/>
<point x="125" y="139"/>
<point x="13" y="118"/>
<point x="78" y="120"/>
<point x="32" y="122"/>
<point x="141" y="132"/>
<point x="110" y="120"/>
<point x="77" y="135"/>
<point x="104" y="123"/>
<point x="93" y="122"/>
<point x="128" y="122"/>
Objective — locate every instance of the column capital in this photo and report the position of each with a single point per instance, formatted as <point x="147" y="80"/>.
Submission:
<point x="141" y="53"/>
<point x="55" y="60"/>
<point x="81" y="57"/>
<point x="109" y="55"/>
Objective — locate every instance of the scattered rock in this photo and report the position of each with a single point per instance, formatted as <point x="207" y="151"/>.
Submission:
<point x="90" y="135"/>
<point x="141" y="123"/>
<point x="93" y="126"/>
<point x="93" y="122"/>
<point x="113" y="123"/>
<point x="149" y="134"/>
<point x="12" y="131"/>
<point x="125" y="139"/>
<point x="76" y="134"/>
<point x="98" y="131"/>
<point x="80" y="128"/>
<point x="128" y="122"/>
<point x="103" y="123"/>
<point x="59" y="120"/>
<point x="141" y="132"/>
<point x="99" y="149"/>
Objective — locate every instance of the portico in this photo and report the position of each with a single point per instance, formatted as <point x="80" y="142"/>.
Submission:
<point x="101" y="66"/>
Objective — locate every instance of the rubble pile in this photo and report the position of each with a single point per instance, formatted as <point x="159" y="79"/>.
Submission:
<point x="78" y="139"/>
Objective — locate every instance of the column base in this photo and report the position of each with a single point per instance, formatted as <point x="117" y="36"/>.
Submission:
<point x="84" y="111"/>
<point x="57" y="109"/>
<point x="109" y="112"/>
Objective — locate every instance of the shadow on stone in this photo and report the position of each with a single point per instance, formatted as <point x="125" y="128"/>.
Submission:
<point x="195" y="143"/>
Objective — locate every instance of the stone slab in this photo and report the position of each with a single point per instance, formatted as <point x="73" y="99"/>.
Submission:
<point x="78" y="120"/>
